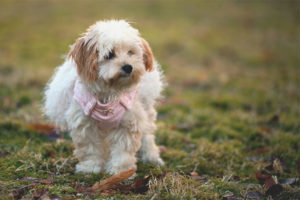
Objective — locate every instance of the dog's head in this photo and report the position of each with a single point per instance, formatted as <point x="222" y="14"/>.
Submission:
<point x="114" y="52"/>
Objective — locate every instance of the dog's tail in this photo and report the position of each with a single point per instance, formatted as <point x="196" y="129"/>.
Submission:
<point x="58" y="94"/>
<point x="151" y="86"/>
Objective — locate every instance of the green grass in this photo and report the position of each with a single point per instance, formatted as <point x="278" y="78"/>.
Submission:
<point x="232" y="106"/>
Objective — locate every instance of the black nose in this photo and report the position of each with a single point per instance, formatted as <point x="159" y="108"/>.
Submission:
<point x="127" y="68"/>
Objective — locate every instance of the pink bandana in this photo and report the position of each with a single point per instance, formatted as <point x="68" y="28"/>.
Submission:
<point x="107" y="115"/>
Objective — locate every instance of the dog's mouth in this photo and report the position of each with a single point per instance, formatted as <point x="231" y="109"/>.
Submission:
<point x="125" y="75"/>
<point x="123" y="80"/>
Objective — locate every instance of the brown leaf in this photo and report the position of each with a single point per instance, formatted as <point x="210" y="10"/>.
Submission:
<point x="52" y="154"/>
<point x="141" y="185"/>
<point x="262" y="176"/>
<point x="111" y="181"/>
<point x="269" y="182"/>
<point x="42" y="128"/>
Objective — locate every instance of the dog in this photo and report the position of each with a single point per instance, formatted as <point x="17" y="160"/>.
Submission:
<point x="105" y="94"/>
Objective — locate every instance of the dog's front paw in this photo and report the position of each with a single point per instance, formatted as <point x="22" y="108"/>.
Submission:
<point x="88" y="166"/>
<point x="155" y="160"/>
<point x="160" y="162"/>
<point x="118" y="169"/>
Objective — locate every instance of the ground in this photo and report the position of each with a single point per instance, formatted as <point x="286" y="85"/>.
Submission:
<point x="229" y="125"/>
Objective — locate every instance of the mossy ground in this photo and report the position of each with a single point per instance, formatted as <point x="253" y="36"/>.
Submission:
<point x="232" y="106"/>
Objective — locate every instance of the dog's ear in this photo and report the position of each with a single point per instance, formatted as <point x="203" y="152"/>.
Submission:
<point x="85" y="56"/>
<point x="147" y="56"/>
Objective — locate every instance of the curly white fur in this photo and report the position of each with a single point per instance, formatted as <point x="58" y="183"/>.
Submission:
<point x="115" y="150"/>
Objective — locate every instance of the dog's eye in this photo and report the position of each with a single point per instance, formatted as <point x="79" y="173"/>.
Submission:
<point x="130" y="52"/>
<point x="110" y="55"/>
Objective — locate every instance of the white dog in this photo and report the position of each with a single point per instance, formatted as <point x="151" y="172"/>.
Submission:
<point x="104" y="94"/>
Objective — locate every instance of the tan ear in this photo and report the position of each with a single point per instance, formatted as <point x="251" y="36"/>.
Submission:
<point x="85" y="56"/>
<point x="147" y="56"/>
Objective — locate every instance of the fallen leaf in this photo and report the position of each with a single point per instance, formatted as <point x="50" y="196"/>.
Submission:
<point x="111" y="181"/>
<point x="289" y="181"/>
<point x="43" y="128"/>
<point x="269" y="182"/>
<point x="52" y="154"/>
<point x="262" y="176"/>
<point x="274" y="190"/>
<point x="140" y="186"/>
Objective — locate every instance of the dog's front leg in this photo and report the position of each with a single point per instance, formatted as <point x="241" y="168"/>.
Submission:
<point x="123" y="148"/>
<point x="88" y="149"/>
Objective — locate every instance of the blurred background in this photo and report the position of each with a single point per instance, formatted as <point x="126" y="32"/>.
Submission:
<point x="232" y="68"/>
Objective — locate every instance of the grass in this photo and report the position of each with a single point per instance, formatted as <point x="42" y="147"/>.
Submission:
<point x="231" y="109"/>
